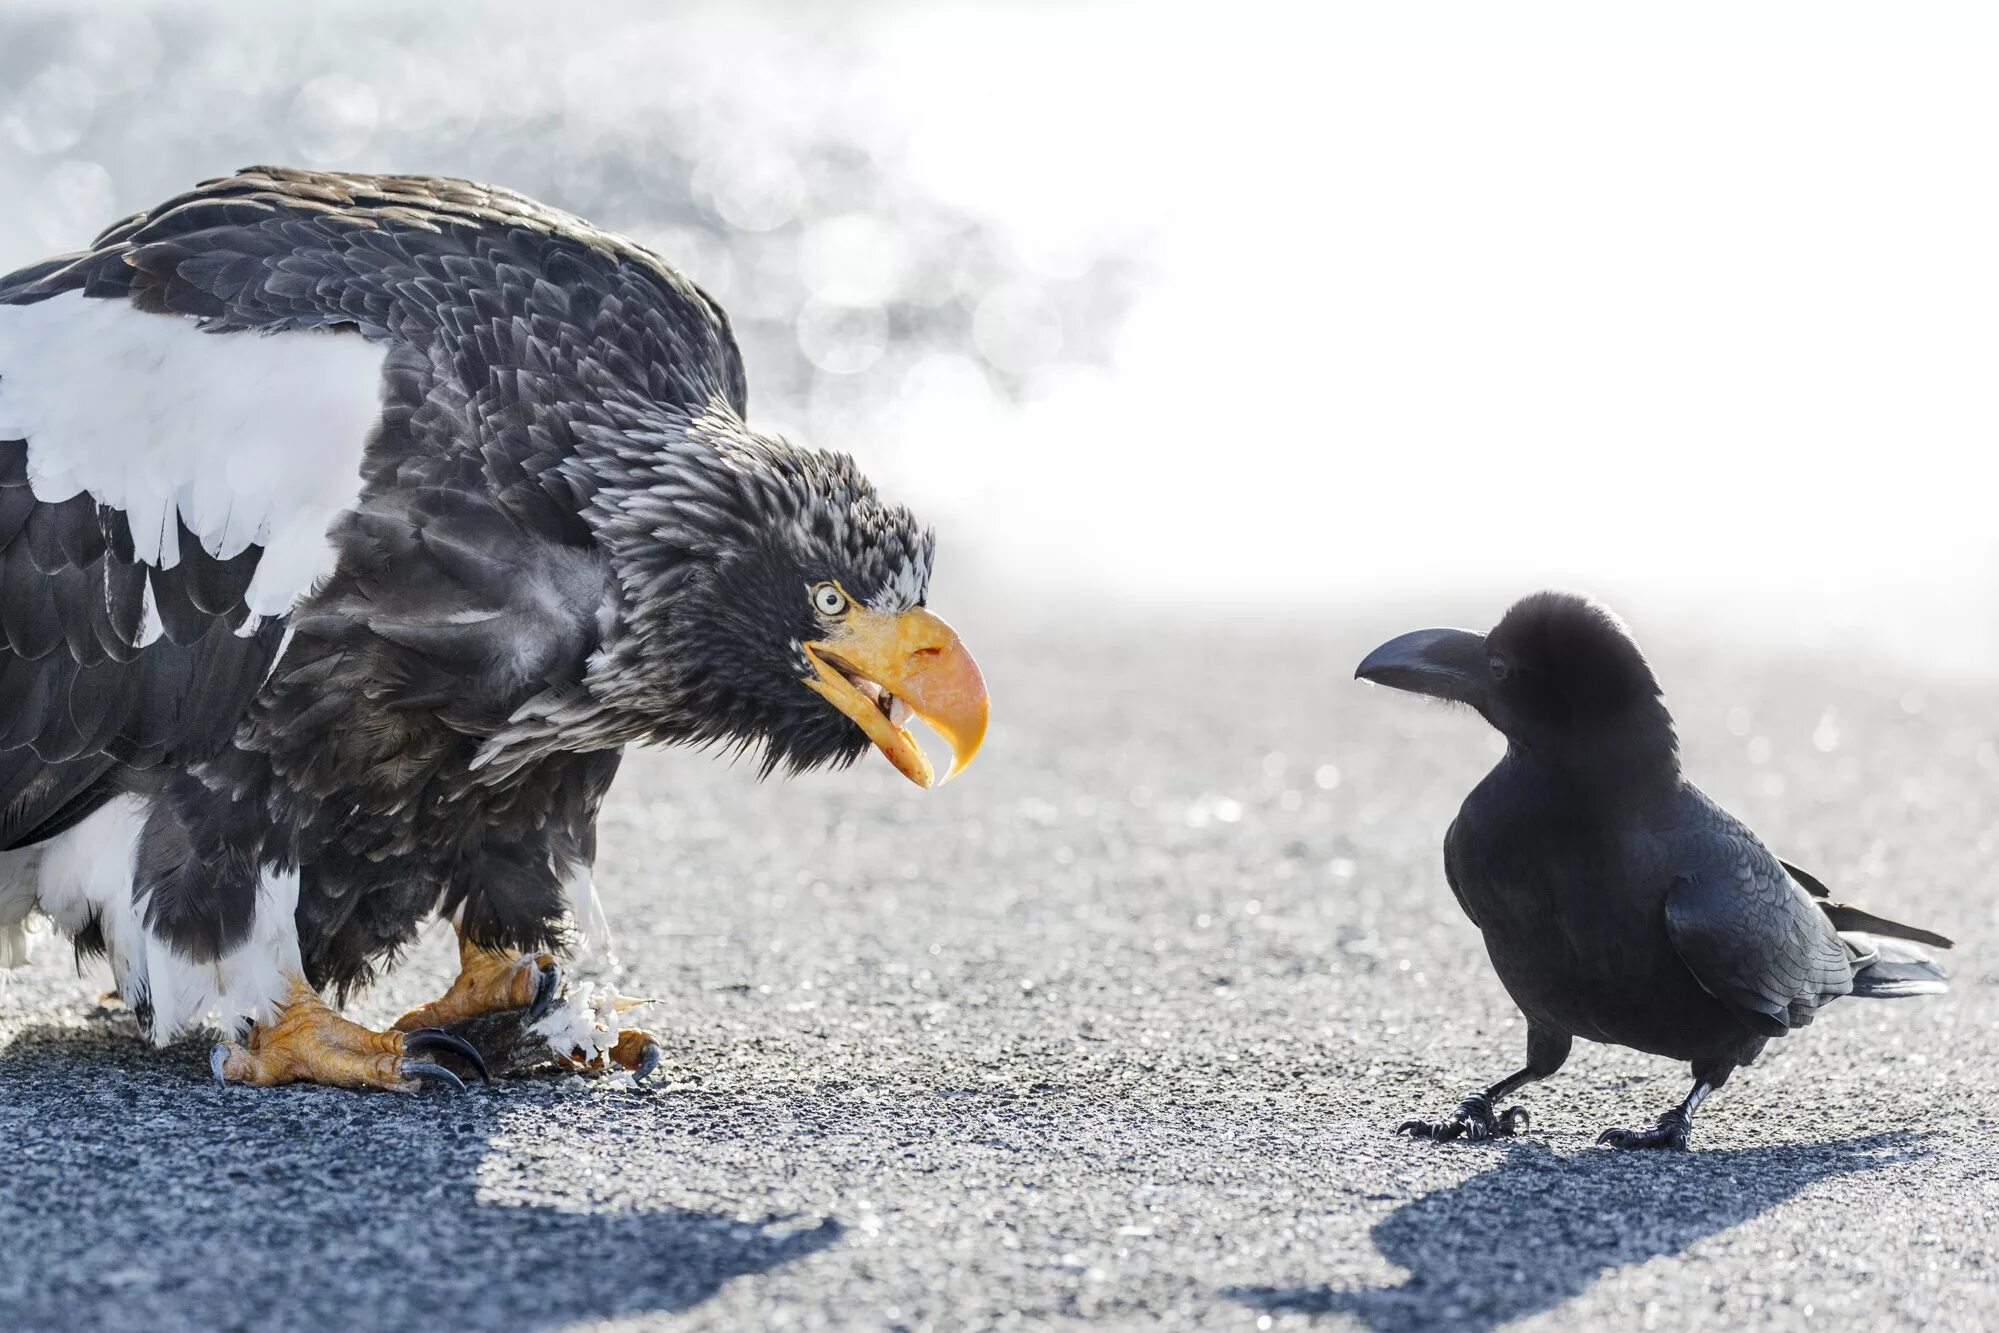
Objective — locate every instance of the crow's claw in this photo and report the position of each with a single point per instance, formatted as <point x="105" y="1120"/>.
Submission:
<point x="425" y="1069"/>
<point x="437" y="1039"/>
<point x="547" y="985"/>
<point x="1671" y="1133"/>
<point x="1473" y="1120"/>
<point x="1429" y="1129"/>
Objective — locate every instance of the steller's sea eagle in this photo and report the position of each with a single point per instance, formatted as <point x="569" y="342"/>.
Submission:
<point x="349" y="528"/>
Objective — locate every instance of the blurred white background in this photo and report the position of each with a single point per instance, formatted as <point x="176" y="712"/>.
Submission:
<point x="1285" y="307"/>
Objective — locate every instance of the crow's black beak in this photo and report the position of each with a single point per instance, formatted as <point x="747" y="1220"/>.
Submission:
<point x="1442" y="663"/>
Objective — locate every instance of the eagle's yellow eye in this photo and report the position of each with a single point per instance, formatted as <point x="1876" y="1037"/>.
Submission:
<point x="827" y="599"/>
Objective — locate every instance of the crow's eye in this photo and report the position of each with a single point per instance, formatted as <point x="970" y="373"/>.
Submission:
<point x="1497" y="666"/>
<point x="827" y="599"/>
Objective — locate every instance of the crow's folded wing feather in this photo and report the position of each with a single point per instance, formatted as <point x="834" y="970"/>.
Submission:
<point x="1752" y="937"/>
<point x="1451" y="871"/>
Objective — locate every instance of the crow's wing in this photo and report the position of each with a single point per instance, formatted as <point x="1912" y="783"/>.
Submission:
<point x="1807" y="881"/>
<point x="1451" y="871"/>
<point x="1751" y="936"/>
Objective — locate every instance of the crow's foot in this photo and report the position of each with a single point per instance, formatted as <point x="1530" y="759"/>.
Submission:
<point x="1671" y="1133"/>
<point x="490" y="981"/>
<point x="1474" y="1120"/>
<point x="306" y="1042"/>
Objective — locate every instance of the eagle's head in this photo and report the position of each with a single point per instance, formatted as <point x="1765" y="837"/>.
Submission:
<point x="767" y="599"/>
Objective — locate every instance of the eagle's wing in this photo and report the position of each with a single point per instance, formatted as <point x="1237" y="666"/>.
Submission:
<point x="498" y="309"/>
<point x="187" y="407"/>
<point x="164" y="501"/>
<point x="1751" y="936"/>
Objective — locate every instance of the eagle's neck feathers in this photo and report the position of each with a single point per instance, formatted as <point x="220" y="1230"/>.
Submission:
<point x="713" y="535"/>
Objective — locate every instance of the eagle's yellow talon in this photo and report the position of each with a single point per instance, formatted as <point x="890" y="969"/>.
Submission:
<point x="306" y="1042"/>
<point x="636" y="1051"/>
<point x="489" y="981"/>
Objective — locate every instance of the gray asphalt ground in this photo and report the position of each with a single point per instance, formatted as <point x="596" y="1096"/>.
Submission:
<point x="1115" y="1030"/>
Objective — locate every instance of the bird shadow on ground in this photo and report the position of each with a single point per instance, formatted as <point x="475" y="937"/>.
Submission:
<point x="1540" y="1228"/>
<point x="309" y="1207"/>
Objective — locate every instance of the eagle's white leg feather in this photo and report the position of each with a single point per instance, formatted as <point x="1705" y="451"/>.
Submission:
<point x="256" y="976"/>
<point x="180" y="991"/>
<point x="86" y="873"/>
<point x="586" y="909"/>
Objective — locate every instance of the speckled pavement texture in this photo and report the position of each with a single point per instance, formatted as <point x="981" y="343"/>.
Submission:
<point x="1114" y="1030"/>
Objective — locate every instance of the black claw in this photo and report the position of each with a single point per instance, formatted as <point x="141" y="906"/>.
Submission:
<point x="1473" y="1120"/>
<point x="648" y="1061"/>
<point x="1439" y="1131"/>
<point x="1671" y="1134"/>
<point x="547" y="985"/>
<point x="425" y="1069"/>
<point x="437" y="1039"/>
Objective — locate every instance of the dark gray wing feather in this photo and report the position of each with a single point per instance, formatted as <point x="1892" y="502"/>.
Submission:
<point x="1751" y="936"/>
<point x="82" y="699"/>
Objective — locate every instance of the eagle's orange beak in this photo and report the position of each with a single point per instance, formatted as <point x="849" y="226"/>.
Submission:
<point x="880" y="667"/>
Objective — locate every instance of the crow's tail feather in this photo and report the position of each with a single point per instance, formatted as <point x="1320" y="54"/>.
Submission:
<point x="1885" y="968"/>
<point x="1846" y="917"/>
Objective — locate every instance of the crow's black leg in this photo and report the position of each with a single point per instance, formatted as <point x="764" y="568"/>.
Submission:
<point x="1677" y="1125"/>
<point x="1477" y="1117"/>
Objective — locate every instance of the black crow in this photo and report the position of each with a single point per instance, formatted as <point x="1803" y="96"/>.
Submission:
<point x="1618" y="903"/>
<point x="350" y="526"/>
